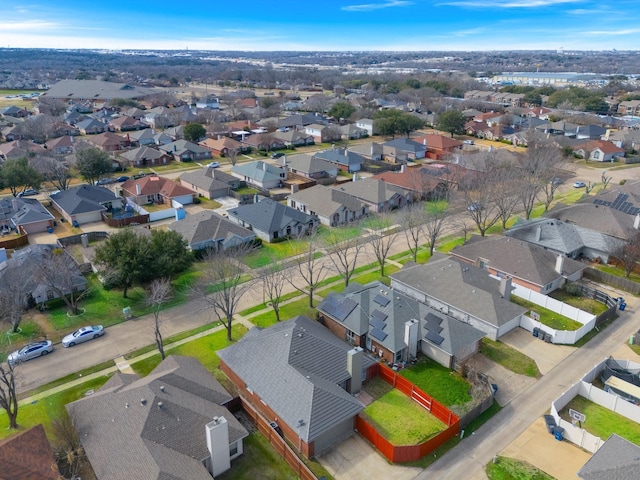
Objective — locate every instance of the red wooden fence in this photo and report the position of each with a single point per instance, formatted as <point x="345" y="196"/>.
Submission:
<point x="410" y="453"/>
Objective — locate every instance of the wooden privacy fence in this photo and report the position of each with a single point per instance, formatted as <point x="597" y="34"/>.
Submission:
<point x="278" y="443"/>
<point x="410" y="453"/>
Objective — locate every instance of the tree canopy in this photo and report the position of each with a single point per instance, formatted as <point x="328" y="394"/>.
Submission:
<point x="17" y="175"/>
<point x="194" y="132"/>
<point x="394" y="122"/>
<point x="452" y="122"/>
<point x="92" y="163"/>
<point x="341" y="110"/>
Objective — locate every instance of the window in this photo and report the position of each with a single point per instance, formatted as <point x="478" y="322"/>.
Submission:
<point x="233" y="449"/>
<point x="398" y="356"/>
<point x="351" y="337"/>
<point x="49" y="295"/>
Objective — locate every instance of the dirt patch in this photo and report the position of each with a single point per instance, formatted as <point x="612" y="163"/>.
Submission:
<point x="46" y="329"/>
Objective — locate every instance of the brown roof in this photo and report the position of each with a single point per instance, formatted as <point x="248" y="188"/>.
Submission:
<point x="106" y="138"/>
<point x="64" y="141"/>
<point x="414" y="179"/>
<point x="28" y="456"/>
<point x="220" y="143"/>
<point x="153" y="185"/>
<point x="605" y="146"/>
<point x="439" y="142"/>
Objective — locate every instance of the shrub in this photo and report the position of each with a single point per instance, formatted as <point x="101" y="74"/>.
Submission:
<point x="197" y="201"/>
<point x="623" y="181"/>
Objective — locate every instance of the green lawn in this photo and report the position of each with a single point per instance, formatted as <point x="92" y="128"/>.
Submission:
<point x="290" y="310"/>
<point x="548" y="317"/>
<point x="28" y="331"/>
<point x="274" y="251"/>
<point x="258" y="461"/>
<point x="512" y="469"/>
<point x="618" y="272"/>
<point x="446" y="386"/>
<point x="583" y="303"/>
<point x="202" y="348"/>
<point x="601" y="421"/>
<point x="48" y="409"/>
<point x="401" y="420"/>
<point x="509" y="358"/>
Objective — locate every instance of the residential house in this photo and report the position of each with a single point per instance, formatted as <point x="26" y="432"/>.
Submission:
<point x="506" y="98"/>
<point x="108" y="141"/>
<point x="322" y="133"/>
<point x="462" y="291"/>
<point x="331" y="206"/>
<point x="263" y="141"/>
<point x="539" y="112"/>
<point x="377" y="194"/>
<point x="297" y="121"/>
<point x="369" y="150"/>
<point x="20" y="148"/>
<point x="185" y="151"/>
<point x="208" y="230"/>
<point x="271" y="221"/>
<point x="171" y="424"/>
<point x="15" y="112"/>
<point x="27" y="455"/>
<point x="294" y="138"/>
<point x="221" y="146"/>
<point x="344" y="159"/>
<point x="177" y="132"/>
<point x="616" y="459"/>
<point x="403" y="149"/>
<point x="12" y="131"/>
<point x="599" y="151"/>
<point x="135" y="112"/>
<point x="210" y="182"/>
<point x="146" y="157"/>
<point x="627" y="139"/>
<point x="84" y="203"/>
<point x="311" y="166"/>
<point x="298" y="374"/>
<point x="630" y="107"/>
<point x="155" y="189"/>
<point x="368" y="125"/>
<point x="26" y="215"/>
<point x="566" y="238"/>
<point x="91" y="126"/>
<point x="352" y="132"/>
<point x="24" y="265"/>
<point x="124" y="123"/>
<point x="60" y="146"/>
<point x="481" y="95"/>
<point x="439" y="146"/>
<point x="260" y="174"/>
<point x="143" y="137"/>
<point x="420" y="181"/>
<point x="590" y="132"/>
<point x="395" y="327"/>
<point x="162" y="139"/>
<point x="528" y="265"/>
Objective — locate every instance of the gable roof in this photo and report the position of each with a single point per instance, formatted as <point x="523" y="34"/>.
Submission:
<point x="597" y="217"/>
<point x="183" y="146"/>
<point x="258" y="171"/>
<point x="208" y="225"/>
<point x="221" y="143"/>
<point x="28" y="456"/>
<point x="616" y="459"/>
<point x="29" y="210"/>
<point x="83" y="199"/>
<point x="143" y="153"/>
<point x="309" y="164"/>
<point x="269" y="215"/>
<point x="405" y="144"/>
<point x="603" y="145"/>
<point x="325" y="200"/>
<point x="371" y="190"/>
<point x="155" y="185"/>
<point x="463" y="286"/>
<point x="95" y="90"/>
<point x="517" y="258"/>
<point x="341" y="156"/>
<point x="152" y="441"/>
<point x="414" y="179"/>
<point x="208" y="179"/>
<point x="295" y="367"/>
<point x="439" y="142"/>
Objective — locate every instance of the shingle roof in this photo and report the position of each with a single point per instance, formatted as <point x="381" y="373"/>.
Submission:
<point x="295" y="368"/>
<point x="405" y="144"/>
<point x="518" y="259"/>
<point x="616" y="459"/>
<point x="83" y="199"/>
<point x="155" y="185"/>
<point x="269" y="215"/>
<point x="206" y="179"/>
<point x="142" y="153"/>
<point x="183" y="146"/>
<point x="95" y="89"/>
<point x="592" y="216"/>
<point x="340" y="156"/>
<point x="326" y="201"/>
<point x="258" y="171"/>
<point x="207" y="225"/>
<point x="28" y="456"/>
<point x="465" y="287"/>
<point x="371" y="190"/>
<point x="309" y="164"/>
<point x="149" y="441"/>
<point x="28" y="210"/>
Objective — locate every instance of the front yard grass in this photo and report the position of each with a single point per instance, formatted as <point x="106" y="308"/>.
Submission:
<point x="548" y="317"/>
<point x="401" y="420"/>
<point x="290" y="310"/>
<point x="203" y="348"/>
<point x="509" y="358"/>
<point x="259" y="460"/>
<point x="512" y="469"/>
<point x="446" y="386"/>
<point x="601" y="421"/>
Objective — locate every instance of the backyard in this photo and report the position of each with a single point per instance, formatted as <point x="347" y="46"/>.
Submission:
<point x="548" y="317"/>
<point x="509" y="358"/>
<point x="505" y="468"/>
<point x="446" y="386"/>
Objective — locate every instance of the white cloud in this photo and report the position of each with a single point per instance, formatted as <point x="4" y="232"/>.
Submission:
<point x="632" y="31"/>
<point x="506" y="3"/>
<point x="18" y="26"/>
<point x="367" y="7"/>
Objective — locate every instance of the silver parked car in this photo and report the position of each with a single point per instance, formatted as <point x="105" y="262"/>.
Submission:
<point x="82" y="335"/>
<point x="32" y="350"/>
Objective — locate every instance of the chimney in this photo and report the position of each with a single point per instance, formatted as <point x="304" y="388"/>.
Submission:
<point x="14" y="204"/>
<point x="294" y="188"/>
<point x="559" y="264"/>
<point x="354" y="367"/>
<point x="218" y="137"/>
<point x="346" y="152"/>
<point x="505" y="287"/>
<point x="411" y="338"/>
<point x="607" y="134"/>
<point x="217" y="433"/>
<point x="636" y="222"/>
<point x="138" y="190"/>
<point x="264" y="166"/>
<point x="255" y="198"/>
<point x="538" y="233"/>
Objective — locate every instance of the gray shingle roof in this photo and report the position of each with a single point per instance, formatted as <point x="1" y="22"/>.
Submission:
<point x="599" y="218"/>
<point x="295" y="368"/>
<point x="142" y="153"/>
<point x="371" y="190"/>
<point x="341" y="156"/>
<point x="29" y="210"/>
<point x="183" y="146"/>
<point x="463" y="286"/>
<point x="95" y="89"/>
<point x="326" y="201"/>
<point x="83" y="199"/>
<point x="207" y="225"/>
<point x="269" y="215"/>
<point x="259" y="171"/>
<point x="205" y="179"/>
<point x="518" y="259"/>
<point x="616" y="459"/>
<point x="149" y="441"/>
<point x="309" y="164"/>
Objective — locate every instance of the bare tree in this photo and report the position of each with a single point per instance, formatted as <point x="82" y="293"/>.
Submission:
<point x="70" y="455"/>
<point x="56" y="172"/>
<point x="225" y="283"/>
<point x="479" y="196"/>
<point x="15" y="295"/>
<point x="60" y="274"/>
<point x="273" y="282"/>
<point x="436" y="217"/>
<point x="589" y="187"/>
<point x="8" y="393"/>
<point x="158" y="293"/>
<point x="308" y="267"/>
<point x="343" y="250"/>
<point x="382" y="240"/>
<point x="413" y="223"/>
<point x="606" y="179"/>
<point x="629" y="254"/>
<point x="232" y="155"/>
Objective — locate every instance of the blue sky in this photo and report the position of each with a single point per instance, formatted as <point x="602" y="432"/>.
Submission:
<point x="323" y="24"/>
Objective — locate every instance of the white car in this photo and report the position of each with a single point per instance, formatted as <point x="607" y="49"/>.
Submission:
<point x="579" y="185"/>
<point x="82" y="335"/>
<point x="32" y="350"/>
<point x="214" y="165"/>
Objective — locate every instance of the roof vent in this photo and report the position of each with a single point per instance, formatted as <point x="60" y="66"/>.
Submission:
<point x="126" y="405"/>
<point x="162" y="388"/>
<point x="160" y="404"/>
<point x="143" y="401"/>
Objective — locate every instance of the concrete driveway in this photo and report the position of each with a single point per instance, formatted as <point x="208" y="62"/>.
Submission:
<point x="546" y="355"/>
<point x="355" y="459"/>
<point x="510" y="384"/>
